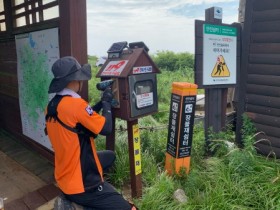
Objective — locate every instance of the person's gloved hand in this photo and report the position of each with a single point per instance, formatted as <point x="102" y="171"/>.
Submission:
<point x="97" y="107"/>
<point x="107" y="95"/>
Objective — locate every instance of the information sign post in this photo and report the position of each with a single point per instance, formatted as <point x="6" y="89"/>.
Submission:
<point x="216" y="66"/>
<point x="180" y="130"/>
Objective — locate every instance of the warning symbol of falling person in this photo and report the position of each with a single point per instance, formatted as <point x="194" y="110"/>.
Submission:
<point x="220" y="69"/>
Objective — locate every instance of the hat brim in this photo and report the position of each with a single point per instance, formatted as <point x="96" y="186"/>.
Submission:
<point x="57" y="85"/>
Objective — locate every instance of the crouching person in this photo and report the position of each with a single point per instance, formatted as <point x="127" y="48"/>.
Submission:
<point x="72" y="126"/>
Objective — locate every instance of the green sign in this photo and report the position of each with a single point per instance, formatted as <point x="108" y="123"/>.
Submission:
<point x="220" y="30"/>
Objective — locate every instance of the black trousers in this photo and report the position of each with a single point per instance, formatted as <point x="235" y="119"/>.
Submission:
<point x="105" y="197"/>
<point x="106" y="158"/>
<point x="101" y="198"/>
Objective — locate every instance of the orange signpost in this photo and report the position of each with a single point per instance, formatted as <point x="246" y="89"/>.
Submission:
<point x="180" y="129"/>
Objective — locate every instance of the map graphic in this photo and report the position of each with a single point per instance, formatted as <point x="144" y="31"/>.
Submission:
<point x="36" y="52"/>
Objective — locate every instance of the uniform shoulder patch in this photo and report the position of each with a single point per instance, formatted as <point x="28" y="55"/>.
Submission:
<point x="89" y="110"/>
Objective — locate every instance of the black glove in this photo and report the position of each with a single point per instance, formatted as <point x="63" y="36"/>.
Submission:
<point x="106" y="112"/>
<point x="97" y="107"/>
<point x="107" y="95"/>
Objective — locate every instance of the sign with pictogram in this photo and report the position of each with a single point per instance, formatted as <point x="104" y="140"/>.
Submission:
<point x="220" y="69"/>
<point x="114" y="68"/>
<point x="218" y="12"/>
<point x="180" y="129"/>
<point x="181" y="125"/>
<point x="219" y="54"/>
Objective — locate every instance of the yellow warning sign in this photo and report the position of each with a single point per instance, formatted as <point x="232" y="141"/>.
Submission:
<point x="137" y="149"/>
<point x="220" y="69"/>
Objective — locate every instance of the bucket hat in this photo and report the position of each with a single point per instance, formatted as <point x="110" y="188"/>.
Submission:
<point x="65" y="70"/>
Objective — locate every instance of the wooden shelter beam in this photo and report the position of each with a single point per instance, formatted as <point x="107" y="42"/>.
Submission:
<point x="73" y="32"/>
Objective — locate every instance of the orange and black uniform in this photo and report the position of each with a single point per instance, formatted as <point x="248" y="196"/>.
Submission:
<point x="76" y="169"/>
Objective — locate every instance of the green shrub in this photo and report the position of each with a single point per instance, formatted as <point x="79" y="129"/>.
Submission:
<point x="173" y="61"/>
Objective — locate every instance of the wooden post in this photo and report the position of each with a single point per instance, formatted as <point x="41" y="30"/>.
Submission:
<point x="134" y="151"/>
<point x="215" y="98"/>
<point x="134" y="158"/>
<point x="9" y="16"/>
<point x="73" y="33"/>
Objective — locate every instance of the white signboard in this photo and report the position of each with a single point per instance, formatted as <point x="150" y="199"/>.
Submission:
<point x="36" y="53"/>
<point x="114" y="68"/>
<point x="219" y="54"/>
<point x="144" y="100"/>
<point x="142" y="70"/>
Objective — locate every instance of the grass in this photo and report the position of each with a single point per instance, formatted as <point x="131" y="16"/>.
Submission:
<point x="231" y="179"/>
<point x="237" y="180"/>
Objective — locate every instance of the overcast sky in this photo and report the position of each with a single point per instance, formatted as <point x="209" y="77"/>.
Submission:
<point x="160" y="24"/>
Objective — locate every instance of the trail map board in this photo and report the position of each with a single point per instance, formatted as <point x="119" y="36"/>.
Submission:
<point x="36" y="52"/>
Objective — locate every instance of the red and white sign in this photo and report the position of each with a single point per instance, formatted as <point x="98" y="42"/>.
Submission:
<point x="142" y="69"/>
<point x="114" y="68"/>
<point x="144" y="100"/>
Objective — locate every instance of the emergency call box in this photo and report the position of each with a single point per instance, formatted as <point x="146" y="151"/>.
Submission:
<point x="135" y="86"/>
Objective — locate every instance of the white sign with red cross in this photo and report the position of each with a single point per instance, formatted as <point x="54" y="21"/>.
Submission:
<point x="114" y="68"/>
